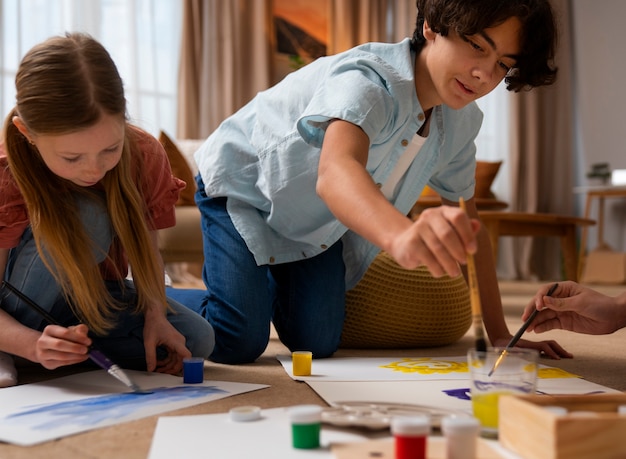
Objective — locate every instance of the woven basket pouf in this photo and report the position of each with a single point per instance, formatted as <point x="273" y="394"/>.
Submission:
<point x="393" y="308"/>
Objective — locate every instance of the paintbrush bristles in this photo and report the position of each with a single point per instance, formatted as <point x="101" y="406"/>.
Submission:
<point x="477" y="315"/>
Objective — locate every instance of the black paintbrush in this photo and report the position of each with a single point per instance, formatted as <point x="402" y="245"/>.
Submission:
<point x="520" y="332"/>
<point x="95" y="355"/>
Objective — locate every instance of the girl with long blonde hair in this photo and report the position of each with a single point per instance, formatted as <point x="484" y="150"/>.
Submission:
<point x="82" y="194"/>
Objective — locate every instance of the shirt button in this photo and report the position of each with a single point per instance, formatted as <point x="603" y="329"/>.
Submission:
<point x="272" y="259"/>
<point x="324" y="246"/>
<point x="421" y="117"/>
<point x="404" y="142"/>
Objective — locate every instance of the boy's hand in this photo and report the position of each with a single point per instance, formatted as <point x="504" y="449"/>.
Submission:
<point x="440" y="239"/>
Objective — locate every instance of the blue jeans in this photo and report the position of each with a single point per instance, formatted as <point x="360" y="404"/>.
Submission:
<point x="305" y="300"/>
<point x="124" y="343"/>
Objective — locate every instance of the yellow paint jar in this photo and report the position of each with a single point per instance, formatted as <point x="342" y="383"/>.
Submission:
<point x="301" y="363"/>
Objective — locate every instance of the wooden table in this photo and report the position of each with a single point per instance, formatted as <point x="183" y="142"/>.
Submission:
<point x="537" y="225"/>
<point x="599" y="193"/>
<point x="425" y="202"/>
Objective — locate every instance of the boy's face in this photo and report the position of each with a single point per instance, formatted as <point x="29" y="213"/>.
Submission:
<point x="463" y="68"/>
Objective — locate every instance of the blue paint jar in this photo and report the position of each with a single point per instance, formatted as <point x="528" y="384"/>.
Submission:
<point x="193" y="370"/>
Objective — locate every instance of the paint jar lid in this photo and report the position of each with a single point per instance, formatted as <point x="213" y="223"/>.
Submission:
<point x="302" y="353"/>
<point x="558" y="410"/>
<point x="460" y="425"/>
<point x="305" y="414"/>
<point x="410" y="425"/>
<point x="584" y="414"/>
<point x="245" y="413"/>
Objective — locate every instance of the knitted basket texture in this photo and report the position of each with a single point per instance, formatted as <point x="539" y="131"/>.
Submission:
<point x="394" y="308"/>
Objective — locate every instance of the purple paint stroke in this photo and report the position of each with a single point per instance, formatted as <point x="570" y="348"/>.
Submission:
<point x="462" y="394"/>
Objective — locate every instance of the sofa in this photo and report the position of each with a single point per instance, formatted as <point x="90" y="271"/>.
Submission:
<point x="182" y="243"/>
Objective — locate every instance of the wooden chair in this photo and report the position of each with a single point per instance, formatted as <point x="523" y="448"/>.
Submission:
<point x="537" y="225"/>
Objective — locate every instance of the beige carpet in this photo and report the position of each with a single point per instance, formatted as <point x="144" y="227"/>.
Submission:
<point x="601" y="359"/>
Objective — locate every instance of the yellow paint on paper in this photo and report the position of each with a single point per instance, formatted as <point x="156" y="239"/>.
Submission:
<point x="548" y="373"/>
<point x="427" y="366"/>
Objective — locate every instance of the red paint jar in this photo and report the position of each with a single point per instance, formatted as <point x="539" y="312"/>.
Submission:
<point x="410" y="434"/>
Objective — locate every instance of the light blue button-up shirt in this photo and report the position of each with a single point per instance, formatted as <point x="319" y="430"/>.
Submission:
<point x="265" y="157"/>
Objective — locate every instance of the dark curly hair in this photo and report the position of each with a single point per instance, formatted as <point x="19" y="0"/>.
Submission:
<point x="535" y="64"/>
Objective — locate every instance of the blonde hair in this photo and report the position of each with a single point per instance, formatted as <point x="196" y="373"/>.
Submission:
<point x="63" y="85"/>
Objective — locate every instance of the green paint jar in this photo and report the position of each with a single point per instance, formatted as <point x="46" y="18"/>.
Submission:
<point x="306" y="425"/>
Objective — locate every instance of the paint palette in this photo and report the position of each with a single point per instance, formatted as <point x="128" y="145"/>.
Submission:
<point x="377" y="416"/>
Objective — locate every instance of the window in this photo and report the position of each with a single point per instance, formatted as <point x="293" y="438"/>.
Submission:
<point x="492" y="142"/>
<point x="142" y="36"/>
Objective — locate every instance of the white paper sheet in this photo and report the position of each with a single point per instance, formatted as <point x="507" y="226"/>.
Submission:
<point x="436" y="382"/>
<point x="446" y="394"/>
<point x="215" y="435"/>
<point x="35" y="413"/>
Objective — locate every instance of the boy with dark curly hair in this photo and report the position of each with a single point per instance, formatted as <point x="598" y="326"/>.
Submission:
<point x="304" y="186"/>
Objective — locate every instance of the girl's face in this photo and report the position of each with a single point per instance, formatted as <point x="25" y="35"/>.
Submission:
<point x="461" y="69"/>
<point x="85" y="156"/>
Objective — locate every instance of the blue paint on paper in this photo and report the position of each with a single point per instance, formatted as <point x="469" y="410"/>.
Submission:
<point x="95" y="410"/>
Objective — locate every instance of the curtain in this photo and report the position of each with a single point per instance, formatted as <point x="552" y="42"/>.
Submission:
<point x="225" y="60"/>
<point x="142" y="36"/>
<point x="403" y="19"/>
<point x="226" y="51"/>
<point x="542" y="158"/>
<point x="353" y="22"/>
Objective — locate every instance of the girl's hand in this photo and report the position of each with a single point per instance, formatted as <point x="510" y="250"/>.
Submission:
<point x="158" y="331"/>
<point x="548" y="348"/>
<point x="59" y="346"/>
<point x="576" y="308"/>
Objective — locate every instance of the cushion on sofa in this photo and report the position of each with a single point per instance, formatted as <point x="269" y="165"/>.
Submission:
<point x="180" y="168"/>
<point x="486" y="172"/>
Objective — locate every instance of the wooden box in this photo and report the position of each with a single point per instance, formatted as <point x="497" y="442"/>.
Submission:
<point x="591" y="428"/>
